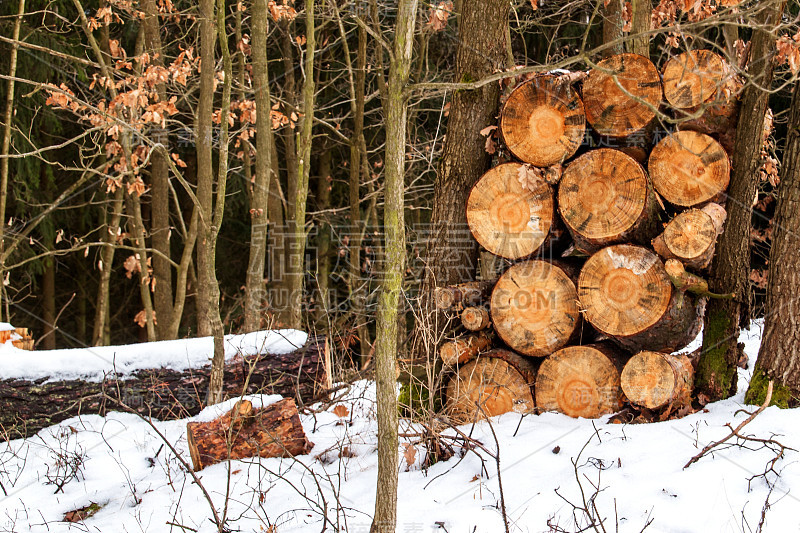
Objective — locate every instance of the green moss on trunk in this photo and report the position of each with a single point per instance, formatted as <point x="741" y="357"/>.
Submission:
<point x="716" y="376"/>
<point x="757" y="391"/>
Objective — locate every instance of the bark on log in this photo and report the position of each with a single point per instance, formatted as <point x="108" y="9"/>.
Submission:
<point x="245" y="431"/>
<point x="543" y="122"/>
<point x="691" y="236"/>
<point x="475" y="318"/>
<point x="164" y="394"/>
<point x="497" y="382"/>
<point x="627" y="295"/>
<point x="508" y="220"/>
<point x="535" y="308"/>
<point x="469" y="294"/>
<point x="658" y="380"/>
<point x="461" y="350"/>
<point x="605" y="198"/>
<point x="621" y="95"/>
<point x="581" y="381"/>
<point x="689" y="168"/>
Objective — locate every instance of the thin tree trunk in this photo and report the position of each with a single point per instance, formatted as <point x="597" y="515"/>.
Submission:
<point x="779" y="355"/>
<point x="394" y="105"/>
<point x="7" y="123"/>
<point x="452" y="253"/>
<point x="49" y="304"/>
<point x="296" y="259"/>
<point x="135" y="207"/>
<point x="110" y="232"/>
<point x="640" y="24"/>
<point x="255" y="293"/>
<point x="324" y="248"/>
<point x="612" y="28"/>
<point x="716" y="371"/>
<point x="159" y="173"/>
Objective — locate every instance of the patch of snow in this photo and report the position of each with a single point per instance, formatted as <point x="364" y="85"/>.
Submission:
<point x="142" y="487"/>
<point x="92" y="364"/>
<point x="5" y="326"/>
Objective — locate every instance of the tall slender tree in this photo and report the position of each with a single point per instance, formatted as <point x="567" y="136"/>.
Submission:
<point x="716" y="371"/>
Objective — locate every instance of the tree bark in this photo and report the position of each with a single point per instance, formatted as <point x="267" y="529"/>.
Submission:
<point x="394" y="105"/>
<point x="778" y="357"/>
<point x="162" y="393"/>
<point x="255" y="293"/>
<point x="48" y="337"/>
<point x="612" y="28"/>
<point x="451" y="255"/>
<point x="716" y="371"/>
<point x="8" y="116"/>
<point x="639" y="43"/>
<point x="296" y="261"/>
<point x="159" y="174"/>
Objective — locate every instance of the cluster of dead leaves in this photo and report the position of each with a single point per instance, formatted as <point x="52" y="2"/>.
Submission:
<point x="282" y="11"/>
<point x="440" y="13"/>
<point x="789" y="52"/>
<point x="759" y="278"/>
<point x="141" y="318"/>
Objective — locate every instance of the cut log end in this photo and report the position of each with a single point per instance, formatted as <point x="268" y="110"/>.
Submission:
<point x="657" y="380"/>
<point x="690" y="237"/>
<point x="621" y="95"/>
<point x="475" y="318"/>
<point x="508" y="220"/>
<point x="693" y="78"/>
<point x="460" y="351"/>
<point x="535" y="308"/>
<point x="497" y="382"/>
<point x="604" y="198"/>
<point x="624" y="290"/>
<point x="689" y="168"/>
<point x="581" y="381"/>
<point x="543" y="121"/>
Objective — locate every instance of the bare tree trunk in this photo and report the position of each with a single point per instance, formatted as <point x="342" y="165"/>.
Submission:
<point x="716" y="371"/>
<point x="159" y="173"/>
<point x="612" y="28"/>
<point x="394" y="105"/>
<point x="779" y="355"/>
<point x="110" y="232"/>
<point x="255" y="293"/>
<point x="296" y="260"/>
<point x="7" y="120"/>
<point x="640" y="24"/>
<point x="452" y="253"/>
<point x="49" y="304"/>
<point x="324" y="248"/>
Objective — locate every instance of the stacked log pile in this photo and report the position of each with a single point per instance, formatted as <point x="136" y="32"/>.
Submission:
<point x="603" y="249"/>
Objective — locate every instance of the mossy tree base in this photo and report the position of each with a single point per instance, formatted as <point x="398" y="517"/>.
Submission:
<point x="782" y="396"/>
<point x="716" y="371"/>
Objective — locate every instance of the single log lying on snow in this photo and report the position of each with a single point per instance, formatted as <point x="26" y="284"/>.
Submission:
<point x="475" y="318"/>
<point x="627" y="295"/>
<point x="621" y="95"/>
<point x="691" y="236"/>
<point x="497" y="382"/>
<point x="245" y="431"/>
<point x="606" y="198"/>
<point x="581" y="381"/>
<point x="462" y="350"/>
<point x="467" y="294"/>
<point x="543" y="122"/>
<point x="655" y="380"/>
<point x="508" y="220"/>
<point x="535" y="308"/>
<point x="164" y="394"/>
<point x="689" y="168"/>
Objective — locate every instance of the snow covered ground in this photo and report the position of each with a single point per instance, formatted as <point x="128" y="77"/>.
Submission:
<point x="141" y="486"/>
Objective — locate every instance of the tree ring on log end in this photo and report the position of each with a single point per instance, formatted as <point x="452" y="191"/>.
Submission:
<point x="624" y="290"/>
<point x="649" y="380"/>
<point x="506" y="219"/>
<point x="689" y="168"/>
<point x="621" y="95"/>
<point x="690" y="234"/>
<point x="579" y="381"/>
<point x="602" y="195"/>
<point x="498" y="381"/>
<point x="543" y="122"/>
<point x="693" y="78"/>
<point x="535" y="308"/>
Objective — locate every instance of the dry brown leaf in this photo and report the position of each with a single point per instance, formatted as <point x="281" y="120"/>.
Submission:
<point x="410" y="454"/>
<point x="487" y="130"/>
<point x="529" y="177"/>
<point x="341" y="411"/>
